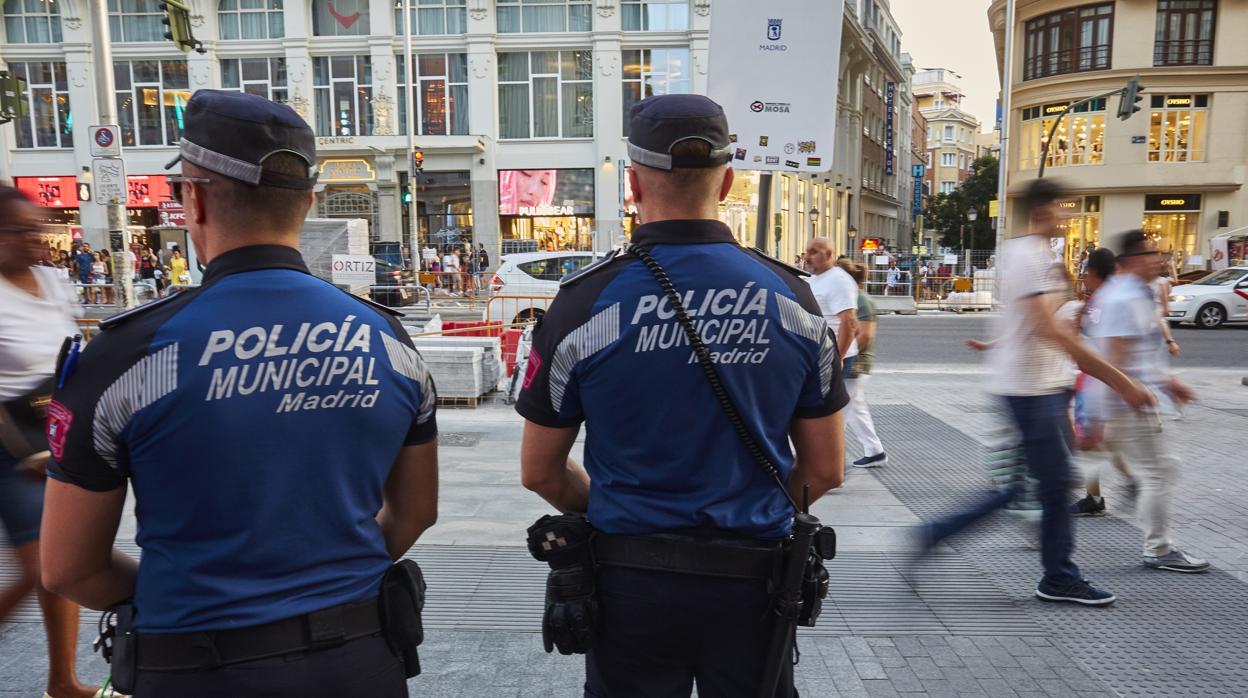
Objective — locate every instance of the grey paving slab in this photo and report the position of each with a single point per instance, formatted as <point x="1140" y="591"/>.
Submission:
<point x="1167" y="634"/>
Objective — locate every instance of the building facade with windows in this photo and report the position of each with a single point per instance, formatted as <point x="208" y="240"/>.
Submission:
<point x="951" y="132"/>
<point x="1175" y="168"/>
<point x="519" y="109"/>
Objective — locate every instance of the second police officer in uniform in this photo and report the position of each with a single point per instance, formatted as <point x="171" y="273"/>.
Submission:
<point x="687" y="526"/>
<point x="280" y="439"/>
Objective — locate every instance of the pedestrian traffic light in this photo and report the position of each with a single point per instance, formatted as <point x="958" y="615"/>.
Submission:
<point x="13" y="104"/>
<point x="1131" y="98"/>
<point x="177" y="21"/>
<point x="407" y="195"/>
<point x="418" y="160"/>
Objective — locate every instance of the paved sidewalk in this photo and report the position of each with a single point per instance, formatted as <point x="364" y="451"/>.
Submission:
<point x="964" y="624"/>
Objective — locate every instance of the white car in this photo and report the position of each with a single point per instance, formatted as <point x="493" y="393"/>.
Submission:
<point x="1220" y="297"/>
<point x="525" y="283"/>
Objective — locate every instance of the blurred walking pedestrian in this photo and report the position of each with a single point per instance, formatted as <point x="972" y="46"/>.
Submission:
<point x="858" y="419"/>
<point x="1098" y="268"/>
<point x="1127" y="329"/>
<point x="1029" y="374"/>
<point x="36" y="315"/>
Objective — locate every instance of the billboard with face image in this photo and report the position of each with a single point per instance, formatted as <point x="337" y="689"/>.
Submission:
<point x="546" y="193"/>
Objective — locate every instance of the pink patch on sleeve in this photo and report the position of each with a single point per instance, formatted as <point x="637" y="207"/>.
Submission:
<point x="59" y="420"/>
<point x="532" y="368"/>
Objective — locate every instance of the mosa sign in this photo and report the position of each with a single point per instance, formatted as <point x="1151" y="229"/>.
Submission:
<point x="769" y="69"/>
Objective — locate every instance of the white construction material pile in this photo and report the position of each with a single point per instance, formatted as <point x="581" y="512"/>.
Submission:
<point x="457" y="371"/>
<point x="491" y="359"/>
<point x="322" y="238"/>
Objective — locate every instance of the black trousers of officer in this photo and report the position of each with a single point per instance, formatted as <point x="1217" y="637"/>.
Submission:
<point x="364" y="667"/>
<point x="664" y="631"/>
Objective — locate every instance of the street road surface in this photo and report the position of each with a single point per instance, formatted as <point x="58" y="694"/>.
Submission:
<point x="906" y="340"/>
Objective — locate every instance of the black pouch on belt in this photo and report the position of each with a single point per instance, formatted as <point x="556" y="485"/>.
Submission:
<point x="570" y="622"/>
<point x="118" y="644"/>
<point x="402" y="601"/>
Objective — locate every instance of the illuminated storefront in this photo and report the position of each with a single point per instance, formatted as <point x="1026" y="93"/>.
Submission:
<point x="1173" y="220"/>
<point x="1079" y="139"/>
<point x="546" y="210"/>
<point x="1079" y="220"/>
<point x="739" y="210"/>
<point x="57" y="199"/>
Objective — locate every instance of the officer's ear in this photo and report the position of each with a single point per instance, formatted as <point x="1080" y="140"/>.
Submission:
<point x="195" y="203"/>
<point x="635" y="182"/>
<point x="726" y="185"/>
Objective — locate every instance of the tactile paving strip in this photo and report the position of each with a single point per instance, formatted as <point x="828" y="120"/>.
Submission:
<point x="481" y="588"/>
<point x="1168" y="635"/>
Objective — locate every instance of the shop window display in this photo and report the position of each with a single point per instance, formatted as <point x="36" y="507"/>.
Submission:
<point x="1177" y="128"/>
<point x="552" y="208"/>
<point x="1078" y="140"/>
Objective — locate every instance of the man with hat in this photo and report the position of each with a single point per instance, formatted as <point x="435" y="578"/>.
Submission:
<point x="687" y="525"/>
<point x="279" y="436"/>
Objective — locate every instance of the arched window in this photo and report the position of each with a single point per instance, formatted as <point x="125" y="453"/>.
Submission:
<point x="32" y="21"/>
<point x="340" y="17"/>
<point x="251" y="19"/>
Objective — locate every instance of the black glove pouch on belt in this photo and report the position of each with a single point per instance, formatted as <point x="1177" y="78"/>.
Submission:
<point x="571" y="619"/>
<point x="402" y="601"/>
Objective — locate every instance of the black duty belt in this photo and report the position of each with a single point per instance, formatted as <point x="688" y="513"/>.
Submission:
<point x="313" y="631"/>
<point x="740" y="561"/>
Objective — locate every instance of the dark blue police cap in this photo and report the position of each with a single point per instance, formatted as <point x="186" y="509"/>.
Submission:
<point x="233" y="133"/>
<point x="657" y="124"/>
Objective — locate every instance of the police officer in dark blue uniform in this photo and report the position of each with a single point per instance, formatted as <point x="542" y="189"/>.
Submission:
<point x="687" y="525"/>
<point x="279" y="436"/>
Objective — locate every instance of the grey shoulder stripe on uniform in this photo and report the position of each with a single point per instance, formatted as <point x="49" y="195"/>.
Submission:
<point x="595" y="335"/>
<point x="408" y="363"/>
<point x="795" y="319"/>
<point x="151" y="378"/>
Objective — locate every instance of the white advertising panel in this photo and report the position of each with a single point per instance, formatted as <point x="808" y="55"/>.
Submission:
<point x="774" y="68"/>
<point x="353" y="270"/>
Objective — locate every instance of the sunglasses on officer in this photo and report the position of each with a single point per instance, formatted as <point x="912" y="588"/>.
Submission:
<point x="176" y="182"/>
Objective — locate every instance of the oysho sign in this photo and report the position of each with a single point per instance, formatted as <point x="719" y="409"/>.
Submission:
<point x="1172" y="202"/>
<point x="768" y="67"/>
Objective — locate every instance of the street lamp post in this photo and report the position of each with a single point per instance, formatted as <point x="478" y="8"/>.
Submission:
<point x="971" y="215"/>
<point x="814" y="221"/>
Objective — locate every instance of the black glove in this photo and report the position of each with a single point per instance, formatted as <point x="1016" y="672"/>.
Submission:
<point x="571" y="618"/>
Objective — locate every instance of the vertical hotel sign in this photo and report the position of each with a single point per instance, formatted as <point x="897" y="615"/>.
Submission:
<point x="890" y="107"/>
<point x="773" y="68"/>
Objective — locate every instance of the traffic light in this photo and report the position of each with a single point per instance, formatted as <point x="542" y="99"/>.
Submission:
<point x="13" y="104"/>
<point x="418" y="160"/>
<point x="1131" y="98"/>
<point x="177" y="21"/>
<point x="407" y="194"/>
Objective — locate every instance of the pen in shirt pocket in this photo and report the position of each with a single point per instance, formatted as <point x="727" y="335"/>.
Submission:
<point x="68" y="359"/>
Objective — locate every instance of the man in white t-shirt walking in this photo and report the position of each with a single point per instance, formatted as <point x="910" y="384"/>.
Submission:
<point x="837" y="295"/>
<point x="1127" y="328"/>
<point x="1030" y="374"/>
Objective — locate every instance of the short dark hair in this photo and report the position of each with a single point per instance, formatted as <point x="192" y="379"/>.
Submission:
<point x="244" y="206"/>
<point x="691" y="181"/>
<point x="1101" y="262"/>
<point x="1133" y="242"/>
<point x="1040" y="192"/>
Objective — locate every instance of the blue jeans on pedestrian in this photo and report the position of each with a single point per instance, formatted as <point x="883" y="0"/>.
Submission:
<point x="1040" y="420"/>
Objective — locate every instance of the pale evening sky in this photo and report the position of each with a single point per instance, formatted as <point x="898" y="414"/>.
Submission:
<point x="954" y="34"/>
